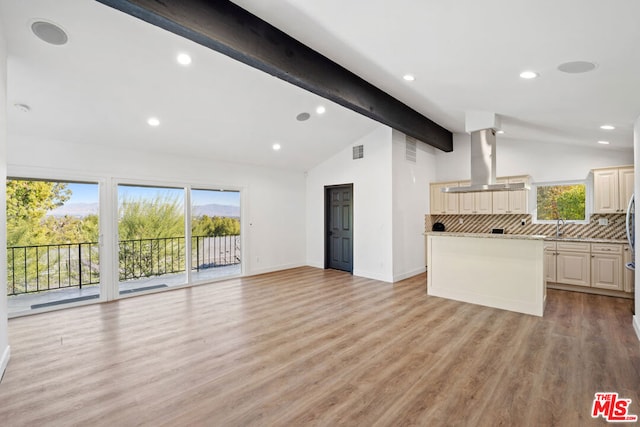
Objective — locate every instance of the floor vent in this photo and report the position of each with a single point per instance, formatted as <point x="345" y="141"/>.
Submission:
<point x="358" y="152"/>
<point x="64" y="301"/>
<point x="411" y="150"/>
<point x="144" y="288"/>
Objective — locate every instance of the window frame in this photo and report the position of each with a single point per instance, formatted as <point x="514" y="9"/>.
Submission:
<point x="588" y="205"/>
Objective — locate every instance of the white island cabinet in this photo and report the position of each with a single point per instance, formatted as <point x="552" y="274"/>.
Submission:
<point x="501" y="271"/>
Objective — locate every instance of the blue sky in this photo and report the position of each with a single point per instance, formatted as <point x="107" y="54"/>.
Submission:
<point x="88" y="193"/>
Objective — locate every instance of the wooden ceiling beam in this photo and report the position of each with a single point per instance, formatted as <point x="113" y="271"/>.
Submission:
<point x="227" y="28"/>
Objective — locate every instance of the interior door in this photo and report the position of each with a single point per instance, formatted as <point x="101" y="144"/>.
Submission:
<point x="339" y="227"/>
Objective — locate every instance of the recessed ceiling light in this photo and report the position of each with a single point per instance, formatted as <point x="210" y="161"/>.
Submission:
<point x="153" y="121"/>
<point x="409" y="77"/>
<point x="529" y="74"/>
<point x="607" y="127"/>
<point x="577" y="67"/>
<point x="303" y="117"/>
<point x="276" y="147"/>
<point x="23" y="108"/>
<point x="183" y="59"/>
<point x="321" y="109"/>
<point x="49" y="32"/>
<point x="603" y="142"/>
<point x="500" y="132"/>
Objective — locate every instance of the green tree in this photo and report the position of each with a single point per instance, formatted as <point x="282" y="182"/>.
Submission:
<point x="27" y="205"/>
<point x="143" y="223"/>
<point x="151" y="218"/>
<point x="215" y="226"/>
<point x="561" y="201"/>
<point x="68" y="229"/>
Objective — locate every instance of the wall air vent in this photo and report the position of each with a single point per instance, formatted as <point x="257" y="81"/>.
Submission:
<point x="410" y="151"/>
<point x="358" y="152"/>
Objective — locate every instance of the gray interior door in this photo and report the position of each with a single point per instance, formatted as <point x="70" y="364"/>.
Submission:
<point x="339" y="227"/>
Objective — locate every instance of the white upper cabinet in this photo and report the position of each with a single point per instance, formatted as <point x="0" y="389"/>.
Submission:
<point x="474" y="203"/>
<point x="626" y="177"/>
<point x="511" y="202"/>
<point x="443" y="203"/>
<point x="612" y="188"/>
<point x="487" y="202"/>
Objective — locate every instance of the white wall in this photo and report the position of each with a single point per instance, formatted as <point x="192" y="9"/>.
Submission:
<point x="410" y="204"/>
<point x="4" y="327"/>
<point x="636" y="155"/>
<point x="372" y="209"/>
<point x="273" y="200"/>
<point x="543" y="161"/>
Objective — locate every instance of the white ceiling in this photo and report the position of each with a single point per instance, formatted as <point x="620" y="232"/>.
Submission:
<point x="466" y="55"/>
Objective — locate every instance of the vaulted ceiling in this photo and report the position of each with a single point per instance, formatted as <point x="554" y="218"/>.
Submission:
<point x="116" y="71"/>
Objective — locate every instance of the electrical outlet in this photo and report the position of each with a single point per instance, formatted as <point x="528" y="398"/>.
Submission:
<point x="460" y="221"/>
<point x="523" y="222"/>
<point x="603" y="221"/>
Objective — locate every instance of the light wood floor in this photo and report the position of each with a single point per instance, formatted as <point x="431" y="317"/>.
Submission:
<point x="315" y="347"/>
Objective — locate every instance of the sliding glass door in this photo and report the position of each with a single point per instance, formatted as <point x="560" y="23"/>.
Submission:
<point x="53" y="255"/>
<point x="151" y="238"/>
<point x="215" y="234"/>
<point x="54" y="250"/>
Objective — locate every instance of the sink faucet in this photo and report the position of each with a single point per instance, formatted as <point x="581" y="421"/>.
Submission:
<point x="560" y="230"/>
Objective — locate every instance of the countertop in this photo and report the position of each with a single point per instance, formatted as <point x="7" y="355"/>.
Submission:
<point x="584" y="240"/>
<point x="526" y="237"/>
<point x="487" y="235"/>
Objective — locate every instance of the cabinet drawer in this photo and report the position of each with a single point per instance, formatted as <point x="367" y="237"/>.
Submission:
<point x="549" y="246"/>
<point x="573" y="246"/>
<point x="606" y="248"/>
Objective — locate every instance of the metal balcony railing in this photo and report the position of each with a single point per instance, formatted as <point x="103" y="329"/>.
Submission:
<point x="40" y="268"/>
<point x="44" y="267"/>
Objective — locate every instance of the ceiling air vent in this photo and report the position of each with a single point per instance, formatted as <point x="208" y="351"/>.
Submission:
<point x="410" y="151"/>
<point x="358" y="152"/>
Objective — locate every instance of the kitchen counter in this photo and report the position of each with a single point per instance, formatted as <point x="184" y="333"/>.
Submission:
<point x="583" y="239"/>
<point x="528" y="237"/>
<point x="488" y="235"/>
<point x="497" y="270"/>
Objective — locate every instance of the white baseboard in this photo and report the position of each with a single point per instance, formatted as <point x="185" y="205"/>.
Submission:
<point x="316" y="265"/>
<point x="399" y="277"/>
<point x="255" y="272"/>
<point x="374" y="276"/>
<point x="636" y="324"/>
<point x="4" y="361"/>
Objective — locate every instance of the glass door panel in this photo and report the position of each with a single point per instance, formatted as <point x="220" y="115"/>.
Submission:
<point x="215" y="234"/>
<point x="151" y="240"/>
<point x="53" y="256"/>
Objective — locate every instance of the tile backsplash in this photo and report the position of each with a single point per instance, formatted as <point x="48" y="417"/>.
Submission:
<point x="511" y="224"/>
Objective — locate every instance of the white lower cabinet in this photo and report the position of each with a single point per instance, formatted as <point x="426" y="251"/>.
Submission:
<point x="573" y="268"/>
<point x="606" y="266"/>
<point x="595" y="265"/>
<point x="550" y="261"/>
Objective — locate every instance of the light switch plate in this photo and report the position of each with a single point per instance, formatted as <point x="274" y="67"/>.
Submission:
<point x="603" y="221"/>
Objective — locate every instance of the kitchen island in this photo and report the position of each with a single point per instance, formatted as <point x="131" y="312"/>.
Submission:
<point x="494" y="270"/>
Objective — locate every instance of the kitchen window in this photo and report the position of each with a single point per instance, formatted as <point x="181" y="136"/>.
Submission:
<point x="561" y="200"/>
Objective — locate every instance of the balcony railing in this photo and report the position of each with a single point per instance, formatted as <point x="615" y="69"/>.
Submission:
<point x="47" y="267"/>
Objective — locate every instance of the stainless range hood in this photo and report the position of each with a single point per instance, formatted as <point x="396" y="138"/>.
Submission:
<point x="483" y="166"/>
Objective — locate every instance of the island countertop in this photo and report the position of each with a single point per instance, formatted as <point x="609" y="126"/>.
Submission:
<point x="487" y="235"/>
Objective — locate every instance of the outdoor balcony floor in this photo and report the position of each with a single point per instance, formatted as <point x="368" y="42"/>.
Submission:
<point x="24" y="303"/>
